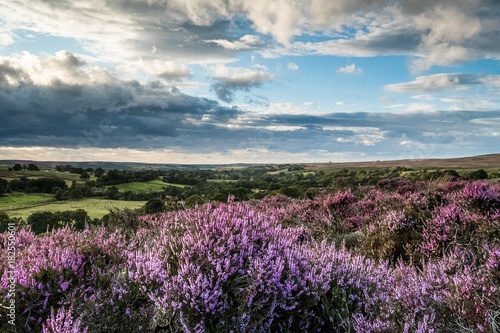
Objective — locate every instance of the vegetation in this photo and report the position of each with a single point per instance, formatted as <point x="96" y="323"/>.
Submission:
<point x="396" y="256"/>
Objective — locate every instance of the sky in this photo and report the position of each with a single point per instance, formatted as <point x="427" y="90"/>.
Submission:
<point x="248" y="81"/>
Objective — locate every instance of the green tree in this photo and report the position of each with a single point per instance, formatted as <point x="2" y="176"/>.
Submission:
<point x="154" y="205"/>
<point x="112" y="193"/>
<point x="5" y="220"/>
<point x="98" y="172"/>
<point x="17" y="167"/>
<point x="84" y="175"/>
<point x="59" y="193"/>
<point x="41" y="222"/>
<point x="478" y="175"/>
<point x="292" y="191"/>
<point x="193" y="200"/>
<point x="33" y="167"/>
<point x="3" y="186"/>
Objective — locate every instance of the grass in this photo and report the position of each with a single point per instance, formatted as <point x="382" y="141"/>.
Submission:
<point x="175" y="185"/>
<point x="150" y="186"/>
<point x="96" y="208"/>
<point x="22" y="200"/>
<point x="222" y="180"/>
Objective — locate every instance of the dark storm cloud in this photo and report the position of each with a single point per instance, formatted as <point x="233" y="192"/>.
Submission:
<point x="227" y="80"/>
<point x="127" y="115"/>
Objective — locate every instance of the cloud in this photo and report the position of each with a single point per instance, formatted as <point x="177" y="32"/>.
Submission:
<point x="350" y="69"/>
<point x="442" y="32"/>
<point x="63" y="101"/>
<point x="164" y="69"/>
<point x="293" y="66"/>
<point x="439" y="82"/>
<point x="64" y="68"/>
<point x="6" y="38"/>
<point x="230" y="79"/>
<point x="246" y="42"/>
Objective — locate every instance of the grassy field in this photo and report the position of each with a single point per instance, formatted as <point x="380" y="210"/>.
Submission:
<point x="67" y="177"/>
<point x="96" y="208"/>
<point x="22" y="200"/>
<point x="221" y="181"/>
<point x="150" y="186"/>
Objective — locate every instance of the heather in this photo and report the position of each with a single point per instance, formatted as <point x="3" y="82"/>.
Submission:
<point x="398" y="256"/>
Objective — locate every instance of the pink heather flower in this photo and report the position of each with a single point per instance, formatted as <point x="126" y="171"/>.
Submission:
<point x="62" y="322"/>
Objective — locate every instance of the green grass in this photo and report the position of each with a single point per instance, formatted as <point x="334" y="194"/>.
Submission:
<point x="222" y="180"/>
<point x="150" y="186"/>
<point x="67" y="177"/>
<point x="175" y="185"/>
<point x="96" y="208"/>
<point x="22" y="200"/>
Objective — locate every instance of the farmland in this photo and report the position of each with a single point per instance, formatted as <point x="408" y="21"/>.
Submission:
<point x="96" y="208"/>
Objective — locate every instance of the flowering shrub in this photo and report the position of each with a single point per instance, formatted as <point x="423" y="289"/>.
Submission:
<point x="397" y="257"/>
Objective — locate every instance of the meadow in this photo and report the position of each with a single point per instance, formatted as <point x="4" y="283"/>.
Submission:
<point x="95" y="207"/>
<point x="399" y="256"/>
<point x="149" y="186"/>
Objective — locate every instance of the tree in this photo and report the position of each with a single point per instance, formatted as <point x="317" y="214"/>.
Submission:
<point x="153" y="206"/>
<point x="5" y="220"/>
<point x="84" y="175"/>
<point x="112" y="193"/>
<point x="41" y="222"/>
<point x="478" y="175"/>
<point x="58" y="195"/>
<point x="17" y="167"/>
<point x="3" y="185"/>
<point x="33" y="167"/>
<point x="76" y="193"/>
<point x="99" y="172"/>
<point x="193" y="200"/>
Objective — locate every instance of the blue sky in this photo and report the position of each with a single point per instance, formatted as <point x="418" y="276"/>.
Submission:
<point x="213" y="81"/>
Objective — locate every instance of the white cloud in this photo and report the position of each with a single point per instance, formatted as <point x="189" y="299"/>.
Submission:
<point x="6" y="38"/>
<point x="256" y="155"/>
<point x="293" y="66"/>
<point x="441" y="32"/>
<point x="62" y="68"/>
<point x="435" y="82"/>
<point x="350" y="69"/>
<point x="244" y="43"/>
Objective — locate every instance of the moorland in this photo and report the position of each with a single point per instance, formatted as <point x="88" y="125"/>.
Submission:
<point x="395" y="246"/>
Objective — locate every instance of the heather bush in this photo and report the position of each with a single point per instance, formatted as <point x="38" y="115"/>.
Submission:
<point x="393" y="257"/>
<point x="232" y="268"/>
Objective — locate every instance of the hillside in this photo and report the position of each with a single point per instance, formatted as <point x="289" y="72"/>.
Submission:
<point x="473" y="162"/>
<point x="491" y="161"/>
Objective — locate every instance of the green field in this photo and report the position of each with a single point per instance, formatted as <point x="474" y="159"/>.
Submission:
<point x="222" y="180"/>
<point x="150" y="186"/>
<point x="22" y="200"/>
<point x="96" y="208"/>
<point x="67" y="177"/>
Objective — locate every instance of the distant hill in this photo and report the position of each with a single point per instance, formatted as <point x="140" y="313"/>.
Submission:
<point x="491" y="161"/>
<point x="122" y="165"/>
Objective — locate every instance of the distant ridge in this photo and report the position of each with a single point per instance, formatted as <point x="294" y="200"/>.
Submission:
<point x="473" y="162"/>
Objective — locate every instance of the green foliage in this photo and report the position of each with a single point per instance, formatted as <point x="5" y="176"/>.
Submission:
<point x="477" y="175"/>
<point x="193" y="200"/>
<point x="125" y="219"/>
<point x="41" y="222"/>
<point x="5" y="220"/>
<point x="292" y="192"/>
<point x="154" y="205"/>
